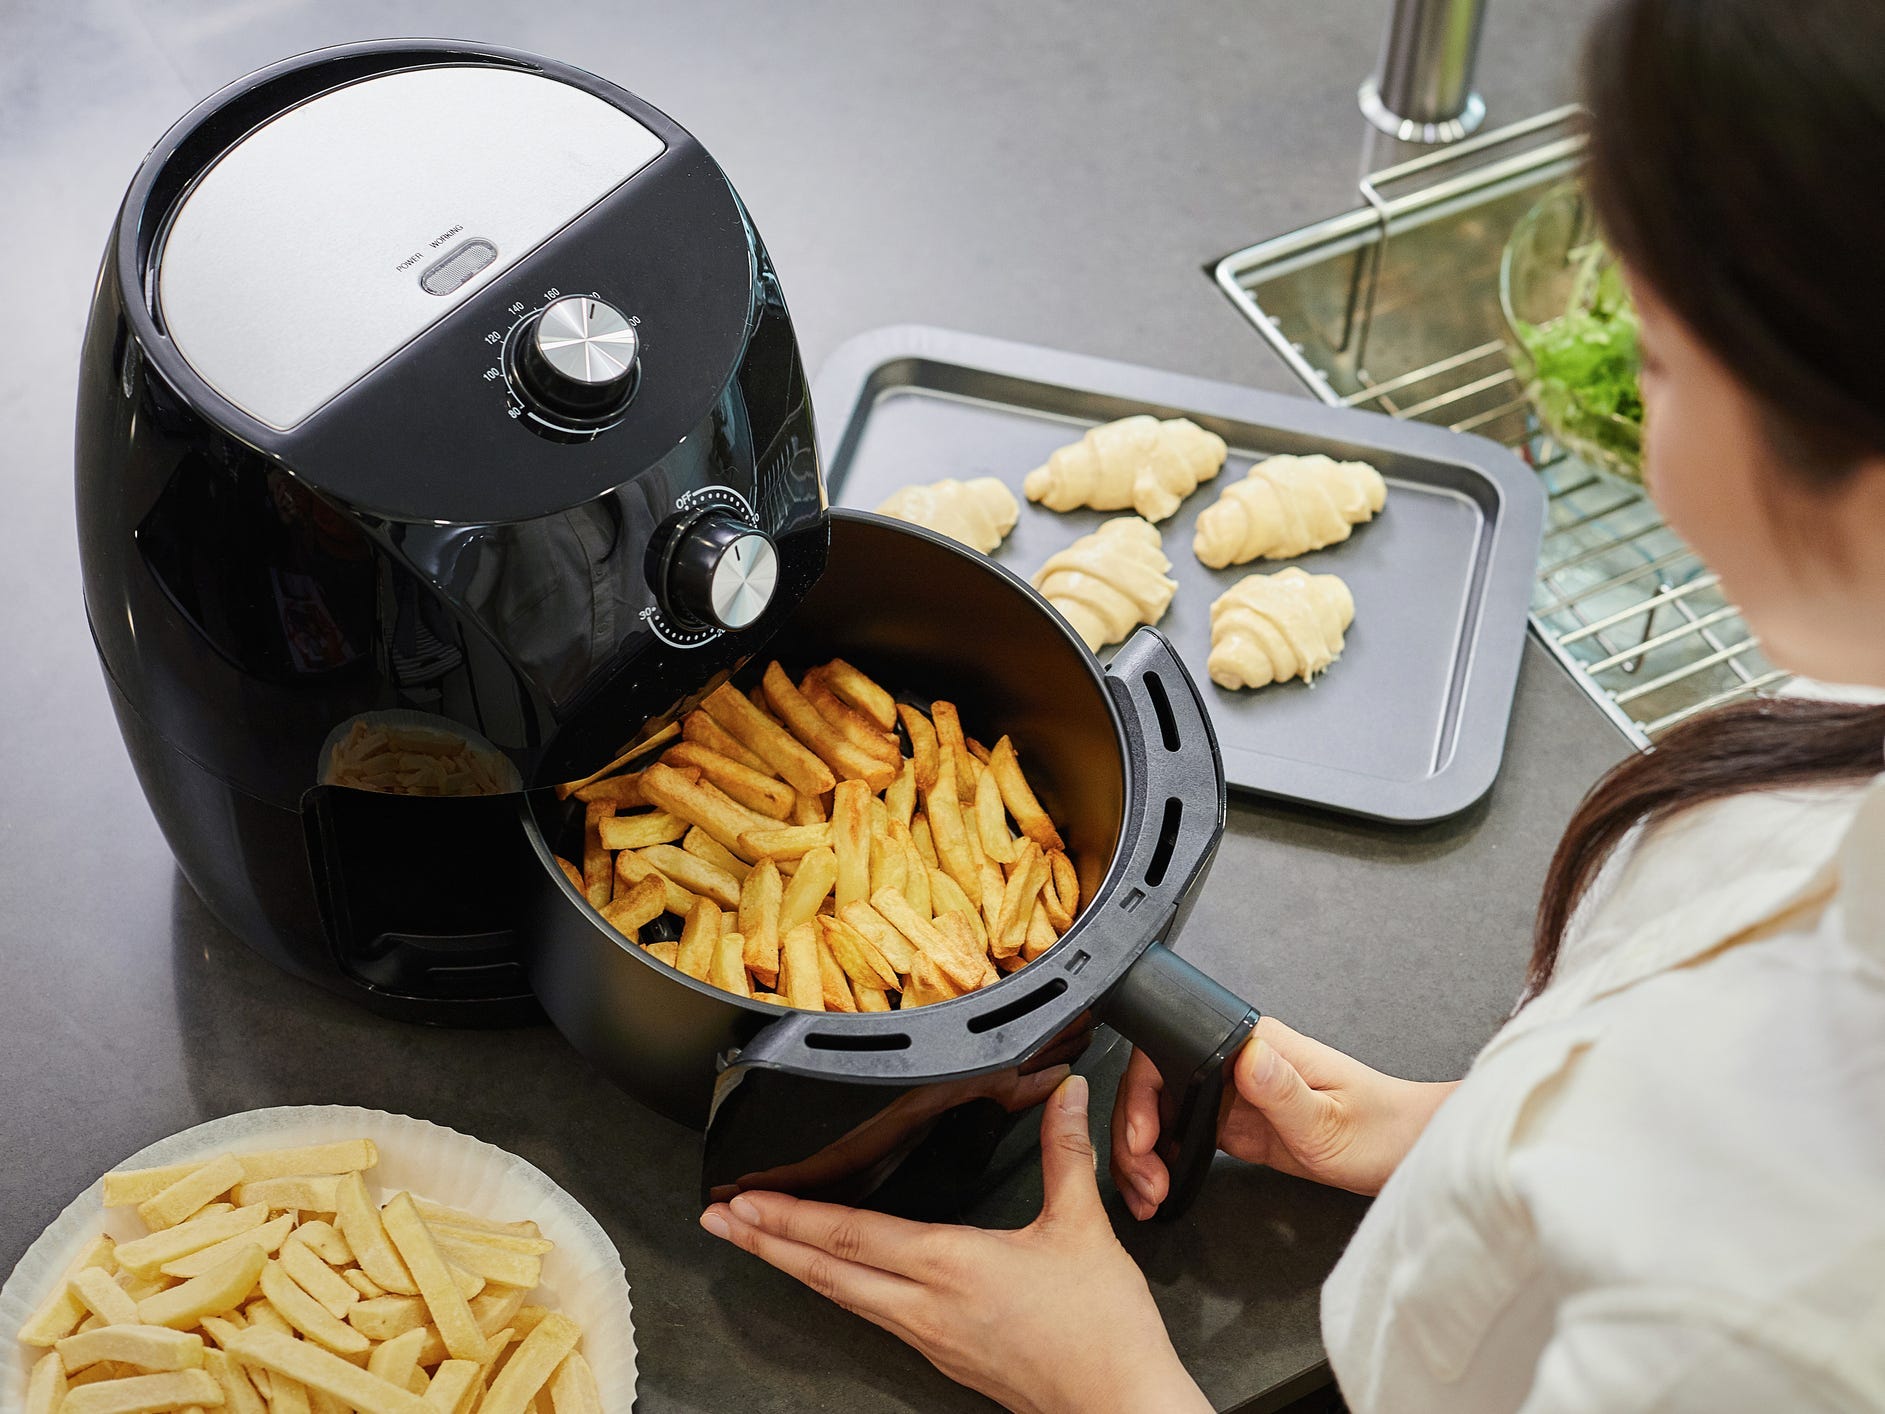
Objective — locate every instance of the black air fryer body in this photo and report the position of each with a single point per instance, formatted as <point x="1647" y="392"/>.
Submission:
<point x="374" y="421"/>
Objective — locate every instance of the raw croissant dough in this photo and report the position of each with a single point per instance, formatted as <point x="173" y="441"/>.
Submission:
<point x="1136" y="462"/>
<point x="1106" y="583"/>
<point x="1286" y="507"/>
<point x="1273" y="627"/>
<point x="979" y="513"/>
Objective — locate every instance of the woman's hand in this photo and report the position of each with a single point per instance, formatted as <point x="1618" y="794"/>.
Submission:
<point x="1053" y="1317"/>
<point x="1300" y="1107"/>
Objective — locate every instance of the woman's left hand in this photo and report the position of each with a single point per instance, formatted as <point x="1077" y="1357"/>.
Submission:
<point x="1053" y="1317"/>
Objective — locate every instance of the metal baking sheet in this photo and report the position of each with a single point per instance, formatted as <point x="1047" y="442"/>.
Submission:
<point x="1409" y="725"/>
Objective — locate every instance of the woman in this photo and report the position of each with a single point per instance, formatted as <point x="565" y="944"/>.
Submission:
<point x="1662" y="1185"/>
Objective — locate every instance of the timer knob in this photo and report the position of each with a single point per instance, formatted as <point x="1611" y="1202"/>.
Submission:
<point x="576" y="359"/>
<point x="721" y="571"/>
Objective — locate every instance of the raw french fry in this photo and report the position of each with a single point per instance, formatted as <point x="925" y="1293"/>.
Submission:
<point x="304" y="1193"/>
<point x="851" y="840"/>
<point x="861" y="692"/>
<point x="944" y="813"/>
<point x="573" y="1388"/>
<point x="991" y="821"/>
<point x="137" y="1288"/>
<point x="1023" y="889"/>
<point x="141" y="1394"/>
<point x="362" y="1283"/>
<point x="631" y="869"/>
<point x="383" y="1317"/>
<point x="496" y="1310"/>
<point x="531" y="1366"/>
<point x="326" y="1240"/>
<point x="895" y="949"/>
<point x="1019" y="797"/>
<point x="104" y="1298"/>
<point x="815" y="732"/>
<point x="395" y="1360"/>
<point x="623" y="791"/>
<point x="239" y="1394"/>
<point x="668" y="952"/>
<point x="967" y="953"/>
<point x="804" y="982"/>
<point x="144" y="1256"/>
<point x="847" y="721"/>
<point x="946" y="896"/>
<point x="703" y="730"/>
<point x="308" y="1316"/>
<point x="595" y="856"/>
<point x="359" y="1222"/>
<point x="45" y="1387"/>
<point x="861" y="960"/>
<point x="573" y="874"/>
<point x="925" y="754"/>
<point x="124" y="1187"/>
<point x="955" y="751"/>
<point x="760" y="899"/>
<point x="816" y="874"/>
<point x="702" y="803"/>
<point x="772" y="743"/>
<point x="189" y="1193"/>
<point x="341" y="1157"/>
<point x="702" y="845"/>
<point x="699" y="939"/>
<point x="449" y="1309"/>
<point x="728" y="973"/>
<point x="451" y="1387"/>
<point x="807" y="809"/>
<point x="147" y="1347"/>
<point x="638" y="831"/>
<point x="264" y="1316"/>
<point x="696" y="875"/>
<point x="321" y="1370"/>
<point x="319" y="1280"/>
<point x="286" y="1396"/>
<point x="496" y="1350"/>
<point x="644" y="902"/>
<point x="457" y="1217"/>
<point x="930" y="939"/>
<point x="758" y="790"/>
<point x="222" y="1329"/>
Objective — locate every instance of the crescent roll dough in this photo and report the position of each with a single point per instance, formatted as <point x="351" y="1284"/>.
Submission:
<point x="1273" y="627"/>
<point x="1107" y="583"/>
<point x="1286" y="507"/>
<point x="1137" y="462"/>
<point x="979" y="513"/>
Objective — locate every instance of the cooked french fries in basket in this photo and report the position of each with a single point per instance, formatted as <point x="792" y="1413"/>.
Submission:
<point x="829" y="848"/>
<point x="264" y="1308"/>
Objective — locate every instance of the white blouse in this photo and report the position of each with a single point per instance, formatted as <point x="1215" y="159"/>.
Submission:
<point x="1662" y="1184"/>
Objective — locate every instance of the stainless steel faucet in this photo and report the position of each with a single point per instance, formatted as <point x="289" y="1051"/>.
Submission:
<point x="1423" y="89"/>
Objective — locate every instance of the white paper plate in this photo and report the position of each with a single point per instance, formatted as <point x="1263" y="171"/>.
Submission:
<point x="582" y="1278"/>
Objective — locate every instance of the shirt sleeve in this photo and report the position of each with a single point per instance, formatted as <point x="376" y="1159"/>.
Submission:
<point x="1675" y="1351"/>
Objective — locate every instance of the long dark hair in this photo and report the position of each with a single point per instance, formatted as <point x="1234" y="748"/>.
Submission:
<point x="1728" y="139"/>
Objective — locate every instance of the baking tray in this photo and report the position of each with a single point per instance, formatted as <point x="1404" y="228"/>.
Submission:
<point x="1409" y="726"/>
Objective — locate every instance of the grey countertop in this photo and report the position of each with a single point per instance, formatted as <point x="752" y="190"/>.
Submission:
<point x="1051" y="172"/>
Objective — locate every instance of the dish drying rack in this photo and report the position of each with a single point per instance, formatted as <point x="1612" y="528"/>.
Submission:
<point x="1393" y="306"/>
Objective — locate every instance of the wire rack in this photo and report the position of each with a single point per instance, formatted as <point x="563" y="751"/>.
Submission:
<point x="1394" y="307"/>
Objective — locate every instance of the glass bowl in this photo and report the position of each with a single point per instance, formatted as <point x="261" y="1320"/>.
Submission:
<point x="1571" y="333"/>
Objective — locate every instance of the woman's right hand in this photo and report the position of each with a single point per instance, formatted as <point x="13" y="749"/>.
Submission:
<point x="1300" y="1107"/>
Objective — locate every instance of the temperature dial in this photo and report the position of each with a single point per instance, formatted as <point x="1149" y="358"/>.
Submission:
<point x="575" y="360"/>
<point x="722" y="572"/>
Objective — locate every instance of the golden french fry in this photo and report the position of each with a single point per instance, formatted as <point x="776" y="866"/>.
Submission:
<point x="927" y="984"/>
<point x="1019" y="797"/>
<point x="631" y="869"/>
<point x="944" y="814"/>
<point x="1010" y="932"/>
<point x="668" y="952"/>
<point x="701" y="729"/>
<point x="893" y="946"/>
<point x="807" y="809"/>
<point x="143" y="1393"/>
<point x="1061" y="918"/>
<point x="991" y="821"/>
<point x="321" y="1370"/>
<point x="595" y="856"/>
<point x="623" y="792"/>
<point x="851" y="840"/>
<point x="702" y="803"/>
<point x="870" y="998"/>
<point x="900" y="795"/>
<point x="302" y="1192"/>
<point x="1041" y="934"/>
<point x="531" y="1365"/>
<point x="705" y="881"/>
<point x="993" y="887"/>
<point x="308" y="1316"/>
<point x="573" y="874"/>
<point x="702" y="845"/>
<point x="639" y="831"/>
<point x="452" y="1384"/>
<point x="644" y="902"/>
<point x="925" y="756"/>
<point x="443" y="1299"/>
<point x="104" y="1298"/>
<point x="147" y="1347"/>
<point x="816" y="874"/>
<point x="787" y="842"/>
<point x="890" y="861"/>
<point x="915" y="877"/>
<point x="757" y="790"/>
<point x="861" y="692"/>
<point x="968" y="952"/>
<point x="946" y="896"/>
<point x="146" y="1255"/>
<point x="861" y="960"/>
<point x="573" y="1387"/>
<point x="847" y="721"/>
<point x="825" y="741"/>
<point x="834" y="986"/>
<point x="928" y="938"/>
<point x="759" y="733"/>
<point x="319" y="1280"/>
<point x="978" y="751"/>
<point x="799" y="969"/>
<point x="954" y="750"/>
<point x="727" y="972"/>
<point x="760" y="900"/>
<point x="183" y="1198"/>
<point x="1066" y="881"/>
<point x="699" y="939"/>
<point x="45" y="1387"/>
<point x="359" y="1222"/>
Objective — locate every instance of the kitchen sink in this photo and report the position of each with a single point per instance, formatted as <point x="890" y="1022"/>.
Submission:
<point x="1393" y="306"/>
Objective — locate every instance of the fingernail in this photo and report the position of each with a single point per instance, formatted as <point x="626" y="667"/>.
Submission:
<point x="715" y="1223"/>
<point x="745" y="1209"/>
<point x="1264" y="1064"/>
<point x="1141" y="1185"/>
<point x="1132" y="1135"/>
<point x="1073" y="1095"/>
